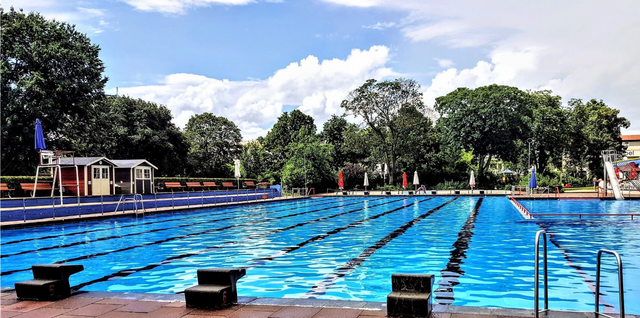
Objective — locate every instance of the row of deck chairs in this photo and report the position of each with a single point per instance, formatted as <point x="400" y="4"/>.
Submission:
<point x="198" y="186"/>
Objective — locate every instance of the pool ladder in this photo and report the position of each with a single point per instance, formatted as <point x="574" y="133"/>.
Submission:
<point x="137" y="198"/>
<point x="536" y="296"/>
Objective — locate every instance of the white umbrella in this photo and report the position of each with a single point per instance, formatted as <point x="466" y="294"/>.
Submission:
<point x="472" y="180"/>
<point x="366" y="181"/>
<point x="237" y="173"/>
<point x="416" y="181"/>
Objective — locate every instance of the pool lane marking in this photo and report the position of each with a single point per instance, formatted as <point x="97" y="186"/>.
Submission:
<point x="127" y="272"/>
<point x="330" y="279"/>
<point x="176" y="238"/>
<point x="286" y="250"/>
<point x="452" y="271"/>
<point x="106" y="238"/>
<point x="590" y="284"/>
<point x="177" y="218"/>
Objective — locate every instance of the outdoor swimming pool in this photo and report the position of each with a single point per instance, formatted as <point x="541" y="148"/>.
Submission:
<point x="480" y="249"/>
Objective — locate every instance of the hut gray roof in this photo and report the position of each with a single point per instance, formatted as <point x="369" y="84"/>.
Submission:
<point x="82" y="161"/>
<point x="130" y="163"/>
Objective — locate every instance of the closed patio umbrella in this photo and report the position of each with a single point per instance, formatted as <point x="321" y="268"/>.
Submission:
<point x="416" y="181"/>
<point x="366" y="181"/>
<point x="237" y="172"/>
<point x="472" y="180"/>
<point x="404" y="180"/>
<point x="39" y="137"/>
<point x="340" y="181"/>
<point x="532" y="182"/>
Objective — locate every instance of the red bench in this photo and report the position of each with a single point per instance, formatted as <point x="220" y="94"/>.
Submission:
<point x="5" y="188"/>
<point x="194" y="185"/>
<point x="228" y="185"/>
<point x="210" y="185"/>
<point x="30" y="187"/>
<point x="173" y="185"/>
<point x="250" y="184"/>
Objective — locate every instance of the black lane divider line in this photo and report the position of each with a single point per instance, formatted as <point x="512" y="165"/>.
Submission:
<point x="127" y="272"/>
<point x="263" y="260"/>
<point x="451" y="273"/>
<point x="330" y="279"/>
<point x="171" y="239"/>
<point x="106" y="238"/>
<point x="156" y="222"/>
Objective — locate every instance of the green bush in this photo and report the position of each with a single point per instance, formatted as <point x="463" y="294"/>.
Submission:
<point x="162" y="180"/>
<point x="451" y="185"/>
<point x="13" y="182"/>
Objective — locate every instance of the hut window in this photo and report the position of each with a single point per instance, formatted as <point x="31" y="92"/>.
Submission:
<point x="143" y="173"/>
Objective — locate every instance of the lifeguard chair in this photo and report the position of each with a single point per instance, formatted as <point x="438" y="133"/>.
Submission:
<point x="55" y="161"/>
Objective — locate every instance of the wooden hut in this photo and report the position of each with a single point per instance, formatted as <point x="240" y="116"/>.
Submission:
<point x="134" y="176"/>
<point x="95" y="175"/>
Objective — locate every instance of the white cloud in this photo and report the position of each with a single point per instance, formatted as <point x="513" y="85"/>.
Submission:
<point x="180" y="6"/>
<point x="380" y="25"/>
<point x="579" y="49"/>
<point x="444" y="63"/>
<point x="317" y="87"/>
<point x="91" y="11"/>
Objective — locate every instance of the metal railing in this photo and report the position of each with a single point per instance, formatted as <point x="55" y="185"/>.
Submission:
<point x="137" y="198"/>
<point x="536" y="296"/>
<point x="620" y="283"/>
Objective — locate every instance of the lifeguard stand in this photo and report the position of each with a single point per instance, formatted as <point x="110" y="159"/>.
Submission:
<point x="53" y="160"/>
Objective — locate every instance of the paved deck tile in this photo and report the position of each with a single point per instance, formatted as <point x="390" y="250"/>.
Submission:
<point x="338" y="313"/>
<point x="26" y="306"/>
<point x="141" y="306"/>
<point x="74" y="302"/>
<point x="296" y="312"/>
<point x="44" y="312"/>
<point x="93" y="310"/>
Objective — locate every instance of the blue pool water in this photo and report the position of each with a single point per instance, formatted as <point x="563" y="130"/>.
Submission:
<point x="345" y="248"/>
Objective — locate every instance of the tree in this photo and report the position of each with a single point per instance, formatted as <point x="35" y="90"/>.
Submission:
<point x="214" y="143"/>
<point x="291" y="128"/>
<point x="378" y="104"/>
<point x="549" y="130"/>
<point x="595" y="127"/>
<point x="308" y="163"/>
<point x="255" y="162"/>
<point x="120" y="127"/>
<point x="333" y="133"/>
<point x="49" y="71"/>
<point x="487" y="120"/>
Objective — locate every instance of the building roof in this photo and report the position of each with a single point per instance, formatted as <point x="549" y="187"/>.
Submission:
<point x="630" y="137"/>
<point x="130" y="163"/>
<point x="83" y="161"/>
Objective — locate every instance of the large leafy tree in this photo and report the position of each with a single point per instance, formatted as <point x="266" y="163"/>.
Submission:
<point x="255" y="161"/>
<point x="487" y="120"/>
<point x="291" y="128"/>
<point x="549" y="130"/>
<point x="124" y="128"/>
<point x="214" y="143"/>
<point x="594" y="127"/>
<point x="379" y="105"/>
<point x="308" y="163"/>
<point x="333" y="133"/>
<point x="49" y="71"/>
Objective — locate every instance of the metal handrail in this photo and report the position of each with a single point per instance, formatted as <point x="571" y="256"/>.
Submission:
<point x="620" y="283"/>
<point x="536" y="296"/>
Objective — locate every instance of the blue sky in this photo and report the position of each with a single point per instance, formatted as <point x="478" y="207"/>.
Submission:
<point x="249" y="60"/>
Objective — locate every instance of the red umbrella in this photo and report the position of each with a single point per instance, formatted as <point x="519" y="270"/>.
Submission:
<point x="404" y="180"/>
<point x="340" y="181"/>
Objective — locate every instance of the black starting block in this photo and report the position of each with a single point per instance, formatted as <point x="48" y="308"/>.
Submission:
<point x="216" y="288"/>
<point x="50" y="282"/>
<point x="410" y="295"/>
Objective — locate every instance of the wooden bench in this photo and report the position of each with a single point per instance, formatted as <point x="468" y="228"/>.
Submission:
<point x="194" y="185"/>
<point x="228" y="185"/>
<point x="250" y="184"/>
<point x="29" y="187"/>
<point x="209" y="185"/>
<point x="5" y="188"/>
<point x="173" y="185"/>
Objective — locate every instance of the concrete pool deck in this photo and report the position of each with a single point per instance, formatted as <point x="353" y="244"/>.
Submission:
<point x="125" y="305"/>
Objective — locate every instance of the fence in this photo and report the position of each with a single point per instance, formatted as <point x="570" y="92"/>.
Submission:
<point x="24" y="209"/>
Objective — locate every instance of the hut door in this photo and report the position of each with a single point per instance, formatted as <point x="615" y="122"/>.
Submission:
<point x="100" y="182"/>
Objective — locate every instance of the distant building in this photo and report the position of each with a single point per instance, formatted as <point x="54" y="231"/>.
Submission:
<point x="632" y="142"/>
